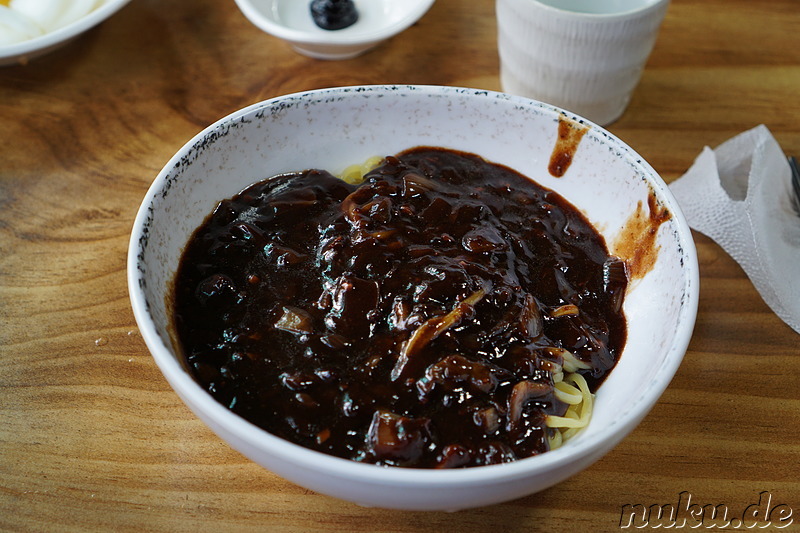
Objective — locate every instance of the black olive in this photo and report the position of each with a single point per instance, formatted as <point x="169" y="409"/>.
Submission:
<point x="333" y="14"/>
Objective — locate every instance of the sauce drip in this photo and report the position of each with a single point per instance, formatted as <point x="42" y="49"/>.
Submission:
<point x="636" y="243"/>
<point x="569" y="137"/>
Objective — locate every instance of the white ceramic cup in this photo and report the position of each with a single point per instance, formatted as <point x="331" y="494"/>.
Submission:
<point x="586" y="56"/>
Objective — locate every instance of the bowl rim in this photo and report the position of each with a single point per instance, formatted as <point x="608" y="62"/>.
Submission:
<point x="640" y="11"/>
<point x="19" y="51"/>
<point x="196" y="397"/>
<point x="333" y="38"/>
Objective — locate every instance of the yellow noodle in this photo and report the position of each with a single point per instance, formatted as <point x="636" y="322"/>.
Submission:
<point x="573" y="364"/>
<point x="567" y="434"/>
<point x="555" y="369"/>
<point x="556" y="440"/>
<point x="577" y="415"/>
<point x="354" y="174"/>
<point x="568" y="393"/>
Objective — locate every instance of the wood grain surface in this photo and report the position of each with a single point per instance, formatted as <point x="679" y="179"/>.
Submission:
<point x="93" y="438"/>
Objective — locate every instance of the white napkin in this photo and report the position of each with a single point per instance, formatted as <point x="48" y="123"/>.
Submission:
<point x="740" y="195"/>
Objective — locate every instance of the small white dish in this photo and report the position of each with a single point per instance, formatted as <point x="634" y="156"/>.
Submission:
<point x="291" y="21"/>
<point x="24" y="51"/>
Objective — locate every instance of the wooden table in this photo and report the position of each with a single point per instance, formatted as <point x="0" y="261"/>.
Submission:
<point x="93" y="438"/>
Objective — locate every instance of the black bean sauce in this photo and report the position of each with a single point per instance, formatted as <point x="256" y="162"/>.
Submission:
<point x="396" y="321"/>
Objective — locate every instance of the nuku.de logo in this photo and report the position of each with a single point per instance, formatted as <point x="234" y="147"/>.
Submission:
<point x="688" y="514"/>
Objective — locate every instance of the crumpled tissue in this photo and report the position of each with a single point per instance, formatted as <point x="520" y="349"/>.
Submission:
<point x="740" y="195"/>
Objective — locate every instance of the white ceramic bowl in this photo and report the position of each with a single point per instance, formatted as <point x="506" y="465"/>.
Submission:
<point x="291" y="21"/>
<point x="22" y="52"/>
<point x="333" y="128"/>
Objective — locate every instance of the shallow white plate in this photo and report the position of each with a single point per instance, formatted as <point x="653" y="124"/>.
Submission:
<point x="291" y="21"/>
<point x="21" y="53"/>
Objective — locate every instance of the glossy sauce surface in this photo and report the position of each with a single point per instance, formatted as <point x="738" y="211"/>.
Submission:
<point x="413" y="319"/>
